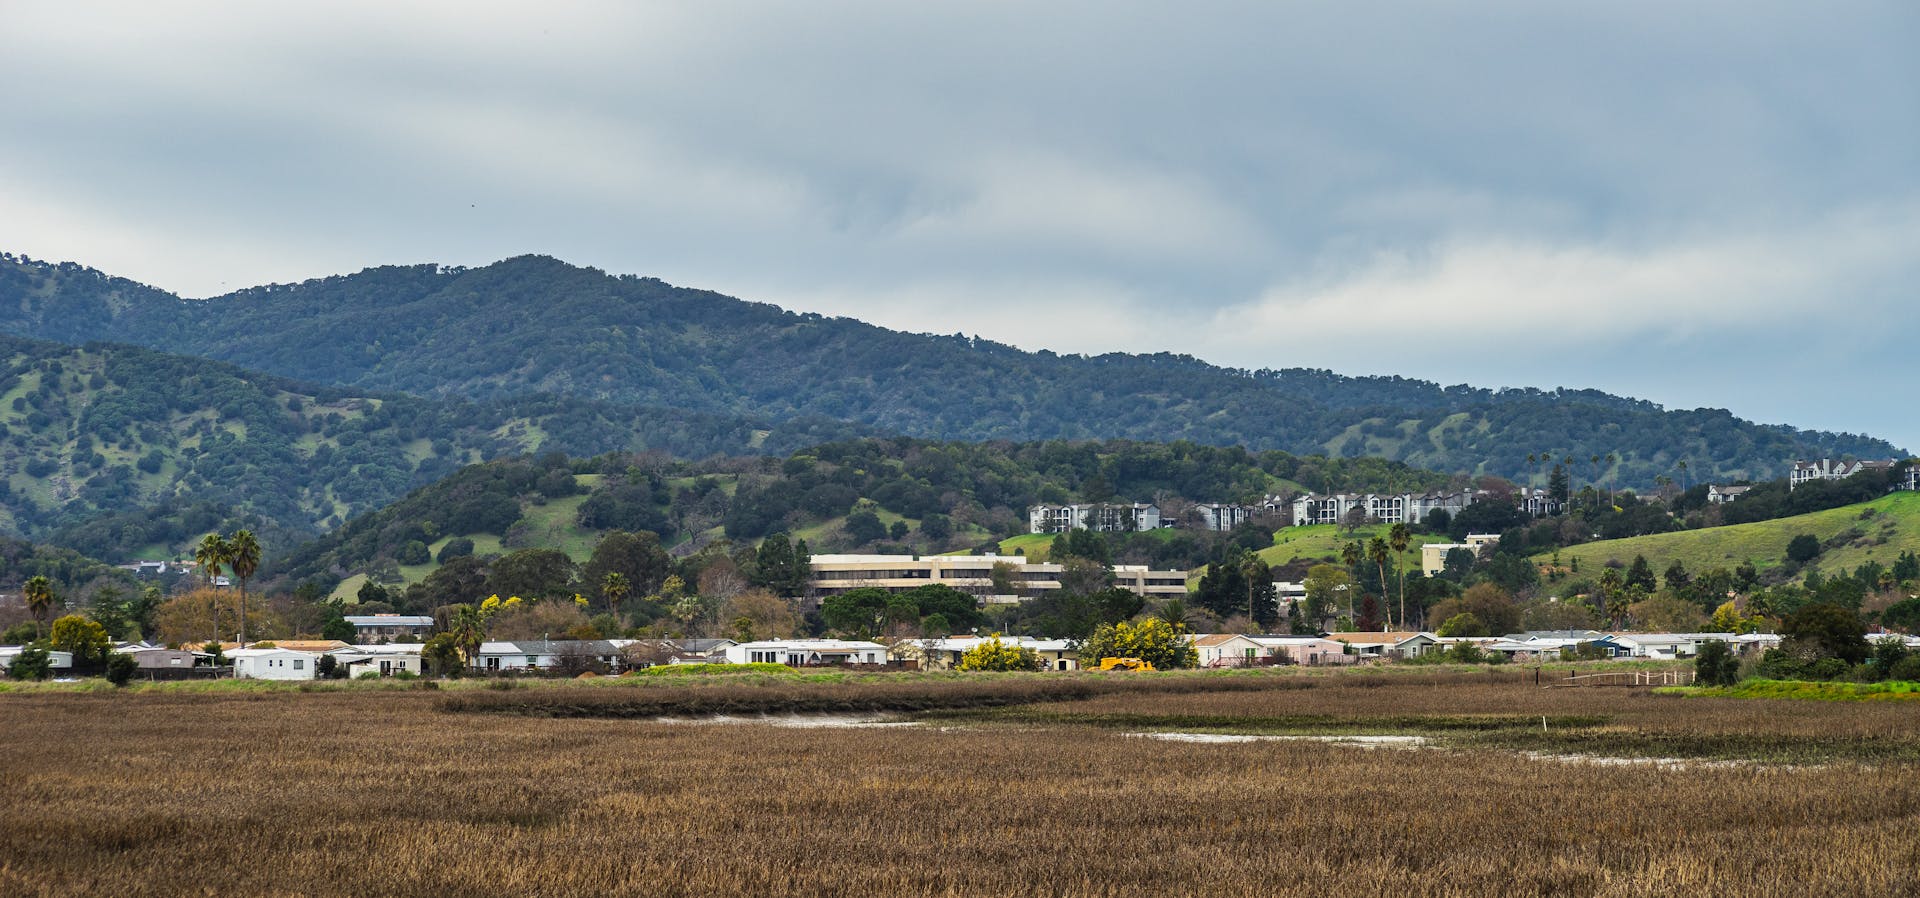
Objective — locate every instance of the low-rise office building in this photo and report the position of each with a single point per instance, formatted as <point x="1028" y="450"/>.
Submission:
<point x="1433" y="556"/>
<point x="1016" y="580"/>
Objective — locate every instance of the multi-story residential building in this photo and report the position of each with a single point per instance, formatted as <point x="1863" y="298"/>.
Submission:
<point x="1832" y="469"/>
<point x="1400" y="508"/>
<point x="1138" y="516"/>
<point x="1221" y="518"/>
<point x="1278" y="508"/>
<point x="1537" y="502"/>
<point x="974" y="575"/>
<point x="1312" y="508"/>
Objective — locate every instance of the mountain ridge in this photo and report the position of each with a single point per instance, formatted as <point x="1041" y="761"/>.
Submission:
<point x="535" y="324"/>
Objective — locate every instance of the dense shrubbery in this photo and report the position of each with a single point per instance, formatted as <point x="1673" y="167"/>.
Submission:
<point x="1154" y="641"/>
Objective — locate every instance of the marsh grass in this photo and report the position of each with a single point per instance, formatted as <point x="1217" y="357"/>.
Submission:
<point x="1468" y="712"/>
<point x="375" y="793"/>
<point x="879" y="693"/>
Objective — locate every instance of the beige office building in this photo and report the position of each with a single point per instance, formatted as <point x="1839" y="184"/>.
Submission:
<point x="1433" y="556"/>
<point x="972" y="574"/>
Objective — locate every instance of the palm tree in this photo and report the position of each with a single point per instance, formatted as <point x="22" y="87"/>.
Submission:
<point x="212" y="556"/>
<point x="38" y="592"/>
<point x="1377" y="550"/>
<point x="1252" y="570"/>
<point x="1610" y="584"/>
<point x="1174" y="612"/>
<point x="468" y="631"/>
<point x="1351" y="554"/>
<point x="615" y="587"/>
<point x="1398" y="538"/>
<point x="243" y="556"/>
<point x="1684" y="485"/>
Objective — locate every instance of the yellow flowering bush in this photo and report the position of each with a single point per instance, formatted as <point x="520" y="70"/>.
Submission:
<point x="1154" y="641"/>
<point x="993" y="654"/>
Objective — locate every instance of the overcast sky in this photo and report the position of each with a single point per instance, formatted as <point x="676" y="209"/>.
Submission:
<point x="1703" y="204"/>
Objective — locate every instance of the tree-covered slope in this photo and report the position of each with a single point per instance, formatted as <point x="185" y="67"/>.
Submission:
<point x="121" y="449"/>
<point x="892" y="494"/>
<point x="537" y="325"/>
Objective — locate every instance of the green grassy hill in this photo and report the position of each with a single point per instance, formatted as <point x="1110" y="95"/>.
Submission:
<point x="1322" y="542"/>
<point x="1879" y="530"/>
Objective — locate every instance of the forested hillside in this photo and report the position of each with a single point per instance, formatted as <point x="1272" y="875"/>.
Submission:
<point x="537" y="325"/>
<point x="897" y="495"/>
<point x="120" y="450"/>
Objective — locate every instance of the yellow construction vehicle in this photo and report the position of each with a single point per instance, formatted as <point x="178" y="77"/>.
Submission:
<point x="1125" y="664"/>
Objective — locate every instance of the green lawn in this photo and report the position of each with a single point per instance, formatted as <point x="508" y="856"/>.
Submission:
<point x="814" y="533"/>
<point x="348" y="591"/>
<point x="1322" y="542"/>
<point x="1033" y="545"/>
<point x="1892" y="527"/>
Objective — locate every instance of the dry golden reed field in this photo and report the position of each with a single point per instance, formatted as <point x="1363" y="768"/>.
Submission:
<point x="537" y="791"/>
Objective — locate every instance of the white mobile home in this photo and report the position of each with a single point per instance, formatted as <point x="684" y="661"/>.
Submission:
<point x="807" y="652"/>
<point x="540" y="654"/>
<point x="273" y="664"/>
<point x="386" y="660"/>
<point x="945" y="654"/>
<point x="56" y="660"/>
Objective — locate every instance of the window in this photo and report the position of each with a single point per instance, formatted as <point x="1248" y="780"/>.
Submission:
<point x="299" y="664"/>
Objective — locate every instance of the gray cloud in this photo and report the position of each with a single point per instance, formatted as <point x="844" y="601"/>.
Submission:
<point x="1708" y="205"/>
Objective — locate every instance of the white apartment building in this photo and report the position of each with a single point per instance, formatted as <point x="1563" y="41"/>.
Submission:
<point x="1537" y="501"/>
<point x="1833" y="469"/>
<point x="1221" y="518"/>
<point x="1395" y="508"/>
<point x="1136" y="517"/>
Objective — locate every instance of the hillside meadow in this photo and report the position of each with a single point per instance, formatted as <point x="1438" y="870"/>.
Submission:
<point x="1318" y="543"/>
<point x="391" y="792"/>
<point x="1878" y="531"/>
